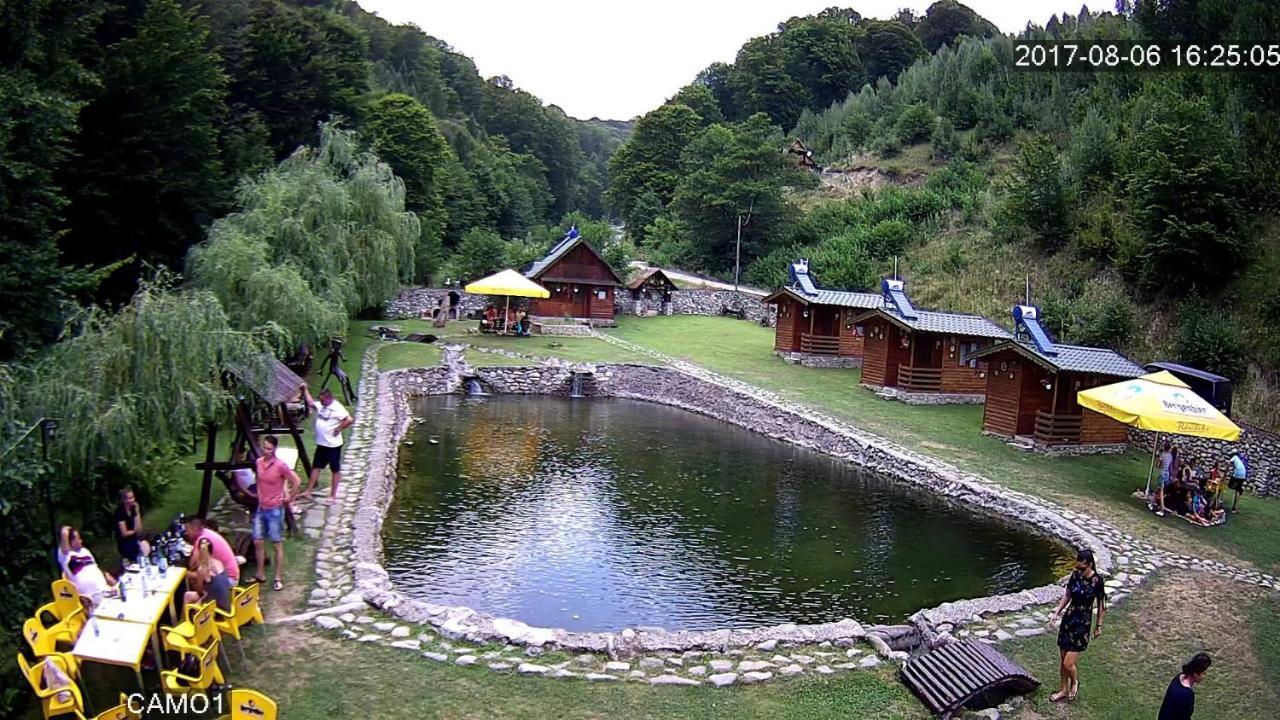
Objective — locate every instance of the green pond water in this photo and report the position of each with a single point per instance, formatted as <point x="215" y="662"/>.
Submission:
<point x="602" y="514"/>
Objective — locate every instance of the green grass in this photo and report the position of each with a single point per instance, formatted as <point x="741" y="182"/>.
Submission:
<point x="1098" y="484"/>
<point x="487" y="359"/>
<point x="403" y="355"/>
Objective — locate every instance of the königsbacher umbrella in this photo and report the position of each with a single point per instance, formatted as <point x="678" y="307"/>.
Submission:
<point x="509" y="283"/>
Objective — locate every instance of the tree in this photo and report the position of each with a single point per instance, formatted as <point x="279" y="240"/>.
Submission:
<point x="947" y="20"/>
<point x="480" y="253"/>
<point x="888" y="48"/>
<point x="403" y="134"/>
<point x="1034" y="193"/>
<point x="715" y="77"/>
<point x="916" y="124"/>
<point x="1182" y="175"/>
<point x="822" y="56"/>
<point x="731" y="172"/>
<point x="761" y="83"/>
<point x="150" y="174"/>
<point x="317" y="239"/>
<point x="699" y="99"/>
<point x="649" y="162"/>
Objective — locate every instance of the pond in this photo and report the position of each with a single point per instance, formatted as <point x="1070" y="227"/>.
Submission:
<point x="602" y="514"/>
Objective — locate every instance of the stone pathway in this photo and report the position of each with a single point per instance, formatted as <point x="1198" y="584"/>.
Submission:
<point x="336" y="593"/>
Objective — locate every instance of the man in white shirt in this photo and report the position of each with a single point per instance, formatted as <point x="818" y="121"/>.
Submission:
<point x="331" y="420"/>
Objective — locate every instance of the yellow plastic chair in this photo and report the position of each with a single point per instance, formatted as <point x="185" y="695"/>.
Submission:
<point x="49" y="702"/>
<point x="66" y="607"/>
<point x="44" y="644"/>
<point x="244" y="610"/>
<point x="119" y="712"/>
<point x="251" y="705"/>
<point x="175" y="683"/>
<point x="198" y="629"/>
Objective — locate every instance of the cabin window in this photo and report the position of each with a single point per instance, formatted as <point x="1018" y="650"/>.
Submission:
<point x="967" y="349"/>
<point x="601" y="294"/>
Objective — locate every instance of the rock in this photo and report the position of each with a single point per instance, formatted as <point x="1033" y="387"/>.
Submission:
<point x="877" y="642"/>
<point x="637" y="674"/>
<point x="791" y="670"/>
<point x="347" y="617"/>
<point x="1001" y="635"/>
<point x="767" y="645"/>
<point x="364" y="619"/>
<point x="723" y="679"/>
<point x="899" y="656"/>
<point x="406" y="644"/>
<point x="845" y="642"/>
<point x="676" y="661"/>
<point x="673" y="680"/>
<point x="585" y="660"/>
<point x="562" y="673"/>
<point x="350" y="634"/>
<point x="721" y="666"/>
<point x="533" y="651"/>
<point x="617" y="666"/>
<point x="1030" y="632"/>
<point x="869" y="661"/>
<point x="755" y="677"/>
<point x="802" y="659"/>
<point x="532" y="669"/>
<point x="465" y="660"/>
<point x="400" y="632"/>
<point x="846" y="666"/>
<point x="853" y="652"/>
<point x="599" y="677"/>
<point x="824" y="670"/>
<point x="437" y="656"/>
<point x="747" y="666"/>
<point x="988" y="714"/>
<point x="327" y="622"/>
<point x="651" y="662"/>
<point x="698" y="670"/>
<point x="780" y="660"/>
<point x="371" y="637"/>
<point x="499" y="666"/>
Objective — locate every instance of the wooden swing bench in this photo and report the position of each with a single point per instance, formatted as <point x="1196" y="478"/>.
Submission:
<point x="949" y="678"/>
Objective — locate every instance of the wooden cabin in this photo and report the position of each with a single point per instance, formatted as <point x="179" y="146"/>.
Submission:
<point x="924" y="355"/>
<point x="582" y="284"/>
<point x="650" y="292"/>
<point x="1032" y="384"/>
<point x="814" y="325"/>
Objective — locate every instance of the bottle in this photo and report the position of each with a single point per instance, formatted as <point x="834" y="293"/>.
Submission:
<point x="123" y="584"/>
<point x="164" y="565"/>
<point x="93" y="620"/>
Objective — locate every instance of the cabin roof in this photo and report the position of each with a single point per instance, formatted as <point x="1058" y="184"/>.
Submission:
<point x="561" y="249"/>
<point x="1072" y="358"/>
<point x="945" y="323"/>
<point x="1178" y="369"/>
<point x="648" y="274"/>
<point x="838" y="298"/>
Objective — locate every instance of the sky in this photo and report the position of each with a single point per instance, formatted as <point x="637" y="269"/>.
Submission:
<point x="616" y="59"/>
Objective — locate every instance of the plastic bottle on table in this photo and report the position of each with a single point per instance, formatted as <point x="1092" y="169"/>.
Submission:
<point x="93" y="620"/>
<point x="123" y="584"/>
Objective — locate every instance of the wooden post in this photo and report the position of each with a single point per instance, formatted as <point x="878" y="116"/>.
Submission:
<point x="211" y="440"/>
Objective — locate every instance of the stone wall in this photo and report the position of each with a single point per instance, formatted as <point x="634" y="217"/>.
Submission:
<point x="712" y="302"/>
<point x="624" y="304"/>
<point x="1260" y="449"/>
<point x="413" y="302"/>
<point x="679" y="389"/>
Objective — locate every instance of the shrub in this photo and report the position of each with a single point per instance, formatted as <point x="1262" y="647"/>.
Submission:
<point x="915" y="124"/>
<point x="1209" y="339"/>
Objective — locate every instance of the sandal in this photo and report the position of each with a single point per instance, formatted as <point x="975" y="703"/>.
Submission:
<point x="277" y="586"/>
<point x="1058" y="696"/>
<point x="1075" y="690"/>
<point x="256" y="580"/>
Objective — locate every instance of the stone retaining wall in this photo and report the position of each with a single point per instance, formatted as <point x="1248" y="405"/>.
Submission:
<point x="712" y="302"/>
<point x="670" y="387"/>
<point x="413" y="302"/>
<point x="1261" y="451"/>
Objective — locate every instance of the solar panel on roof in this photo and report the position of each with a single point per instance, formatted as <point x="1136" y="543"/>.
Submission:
<point x="1025" y="316"/>
<point x="800" y="275"/>
<point x="905" y="308"/>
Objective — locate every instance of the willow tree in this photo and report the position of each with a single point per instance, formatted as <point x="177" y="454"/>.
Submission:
<point x="318" y="238"/>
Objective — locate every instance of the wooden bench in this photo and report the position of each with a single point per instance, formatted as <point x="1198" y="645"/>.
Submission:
<point x="733" y="312"/>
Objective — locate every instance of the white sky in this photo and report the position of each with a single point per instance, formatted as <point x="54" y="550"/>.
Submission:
<point x="617" y="59"/>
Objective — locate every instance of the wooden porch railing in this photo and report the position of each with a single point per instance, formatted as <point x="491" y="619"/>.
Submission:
<point x="920" y="379"/>
<point x="819" y="344"/>
<point x="1054" y="429"/>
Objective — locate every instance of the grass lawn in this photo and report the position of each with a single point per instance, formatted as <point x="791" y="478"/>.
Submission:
<point x="1099" y="484"/>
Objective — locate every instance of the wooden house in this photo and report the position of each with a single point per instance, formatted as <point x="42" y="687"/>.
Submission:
<point x="816" y="326"/>
<point x="582" y="284"/>
<point x="650" y="292"/>
<point x="924" y="356"/>
<point x="1032" y="384"/>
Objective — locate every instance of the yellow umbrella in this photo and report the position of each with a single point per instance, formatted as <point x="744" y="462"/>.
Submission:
<point x="509" y="283"/>
<point x="1162" y="403"/>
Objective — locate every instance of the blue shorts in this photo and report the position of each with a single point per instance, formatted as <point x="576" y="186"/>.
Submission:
<point x="1164" y="480"/>
<point x="269" y="524"/>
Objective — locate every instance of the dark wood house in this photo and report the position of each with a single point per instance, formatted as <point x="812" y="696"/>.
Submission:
<point x="1032" y="384"/>
<point x="815" y="324"/>
<point x="582" y="284"/>
<point x="650" y="293"/>
<point x="924" y="355"/>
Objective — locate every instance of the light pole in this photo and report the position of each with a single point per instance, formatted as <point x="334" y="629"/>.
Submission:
<point x="49" y="426"/>
<point x="737" y="249"/>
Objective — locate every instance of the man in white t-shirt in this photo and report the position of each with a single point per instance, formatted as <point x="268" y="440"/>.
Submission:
<point x="331" y="420"/>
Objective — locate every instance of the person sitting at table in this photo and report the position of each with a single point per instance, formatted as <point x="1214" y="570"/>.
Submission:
<point x="508" y="323"/>
<point x="80" y="567"/>
<point x="523" y="324"/>
<point x="208" y="579"/>
<point x="130" y="538"/>
<point x="244" y="477"/>
<point x="197" y="529"/>
<point x="490" y="319"/>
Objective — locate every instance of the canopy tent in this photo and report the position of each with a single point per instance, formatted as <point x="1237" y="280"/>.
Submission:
<point x="509" y="283"/>
<point x="1161" y="403"/>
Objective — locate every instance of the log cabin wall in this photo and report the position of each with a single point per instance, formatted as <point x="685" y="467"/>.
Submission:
<point x="957" y="377"/>
<point x="576" y="271"/>
<point x="1098" y="429"/>
<point x="1002" y="412"/>
<point x="786" y="336"/>
<point x="875" y="352"/>
<point x="851" y="343"/>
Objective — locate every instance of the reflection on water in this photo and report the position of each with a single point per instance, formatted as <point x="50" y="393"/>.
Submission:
<point x="602" y="514"/>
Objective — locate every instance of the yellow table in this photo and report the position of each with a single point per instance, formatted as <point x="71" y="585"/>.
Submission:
<point x="113" y="642"/>
<point x="145" y="608"/>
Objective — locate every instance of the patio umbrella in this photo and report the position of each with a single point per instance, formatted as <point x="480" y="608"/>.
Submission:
<point x="1162" y="403"/>
<point x="509" y="283"/>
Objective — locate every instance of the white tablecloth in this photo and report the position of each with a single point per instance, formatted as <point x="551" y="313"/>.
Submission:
<point x="116" y="642"/>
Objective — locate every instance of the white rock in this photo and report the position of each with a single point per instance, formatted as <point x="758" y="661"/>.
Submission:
<point x="723" y="679"/>
<point x="406" y="645"/>
<point x="721" y="666"/>
<point x="791" y="670"/>
<point x="1001" y="635"/>
<point x="747" y="666"/>
<point x="853" y="652"/>
<point x="617" y="666"/>
<point x="676" y="661"/>
<point x="637" y="674"/>
<point x="802" y="659"/>
<point x="869" y="661"/>
<point x="698" y="670"/>
<point x="651" y="662"/>
<point x="599" y="677"/>
<point x="327" y="622"/>
<point x="532" y="669"/>
<point x="370" y="637"/>
<point x="438" y="657"/>
<point x="465" y="660"/>
<point x="400" y="632"/>
<point x="673" y="680"/>
<point x="1030" y="632"/>
<point x="499" y="666"/>
<point x="755" y="677"/>
<point x="347" y="617"/>
<point x="767" y="645"/>
<point x="824" y="670"/>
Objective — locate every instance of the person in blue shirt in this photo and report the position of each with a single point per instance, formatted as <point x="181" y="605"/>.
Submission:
<point x="1180" y="697"/>
<point x="1166" y="476"/>
<point x="1239" y="473"/>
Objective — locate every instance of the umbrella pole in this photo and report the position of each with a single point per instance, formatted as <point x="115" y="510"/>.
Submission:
<point x="1155" y="443"/>
<point x="506" y="325"/>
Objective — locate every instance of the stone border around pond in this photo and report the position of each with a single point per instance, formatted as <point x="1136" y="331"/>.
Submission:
<point x="348" y="562"/>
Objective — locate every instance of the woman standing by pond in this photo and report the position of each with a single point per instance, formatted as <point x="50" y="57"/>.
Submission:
<point x="1084" y="588"/>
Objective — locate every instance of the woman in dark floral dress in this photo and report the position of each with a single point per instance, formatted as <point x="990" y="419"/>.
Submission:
<point x="1084" y="588"/>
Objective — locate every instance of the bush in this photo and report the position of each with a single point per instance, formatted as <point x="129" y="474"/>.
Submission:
<point x="1034" y="193"/>
<point x="1209" y="339"/>
<point x="916" y="124"/>
<point x="480" y="253"/>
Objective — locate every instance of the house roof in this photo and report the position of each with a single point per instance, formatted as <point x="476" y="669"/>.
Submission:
<point x="561" y="249"/>
<point x="653" y="273"/>
<point x="830" y="297"/>
<point x="1072" y="358"/>
<point x="942" y="322"/>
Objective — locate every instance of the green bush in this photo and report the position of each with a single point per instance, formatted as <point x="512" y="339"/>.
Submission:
<point x="1209" y="339"/>
<point x="916" y="124"/>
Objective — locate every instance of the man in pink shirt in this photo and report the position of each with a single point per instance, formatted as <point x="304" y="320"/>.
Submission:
<point x="268" y="520"/>
<point x="196" y="531"/>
